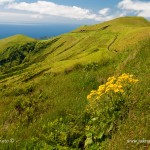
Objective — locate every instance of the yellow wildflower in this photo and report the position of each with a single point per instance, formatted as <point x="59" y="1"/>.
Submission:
<point x="89" y="96"/>
<point x="116" y="90"/>
<point x="121" y="90"/>
<point x="115" y="84"/>
<point x="111" y="79"/>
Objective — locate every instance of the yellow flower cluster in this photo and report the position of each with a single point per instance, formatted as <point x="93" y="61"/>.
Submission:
<point x="114" y="83"/>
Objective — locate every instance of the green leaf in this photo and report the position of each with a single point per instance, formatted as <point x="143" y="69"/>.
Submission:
<point x="88" y="141"/>
<point x="110" y="128"/>
<point x="100" y="135"/>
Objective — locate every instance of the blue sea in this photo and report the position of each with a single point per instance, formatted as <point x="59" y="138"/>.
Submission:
<point x="36" y="31"/>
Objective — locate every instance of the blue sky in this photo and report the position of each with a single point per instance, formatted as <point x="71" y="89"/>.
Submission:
<point x="69" y="11"/>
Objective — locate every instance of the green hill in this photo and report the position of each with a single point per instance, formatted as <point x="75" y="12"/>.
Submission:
<point x="45" y="80"/>
<point x="16" y="39"/>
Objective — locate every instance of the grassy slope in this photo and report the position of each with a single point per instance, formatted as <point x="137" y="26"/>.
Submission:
<point x="88" y="44"/>
<point x="136" y="126"/>
<point x="17" y="39"/>
<point x="57" y="79"/>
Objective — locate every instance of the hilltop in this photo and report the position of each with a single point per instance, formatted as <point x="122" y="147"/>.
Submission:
<point x="41" y="80"/>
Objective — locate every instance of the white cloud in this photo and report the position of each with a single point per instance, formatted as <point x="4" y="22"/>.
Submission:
<point x="141" y="8"/>
<point x="50" y="8"/>
<point x="104" y="11"/>
<point x="6" y="1"/>
<point x="12" y="17"/>
<point x="43" y="11"/>
<point x="37" y="16"/>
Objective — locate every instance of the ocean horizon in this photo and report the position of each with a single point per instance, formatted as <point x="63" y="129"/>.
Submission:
<point x="36" y="31"/>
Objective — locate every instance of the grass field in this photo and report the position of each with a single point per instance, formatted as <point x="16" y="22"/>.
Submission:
<point x="44" y="86"/>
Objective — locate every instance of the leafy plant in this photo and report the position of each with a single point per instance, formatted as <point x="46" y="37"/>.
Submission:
<point x="107" y="106"/>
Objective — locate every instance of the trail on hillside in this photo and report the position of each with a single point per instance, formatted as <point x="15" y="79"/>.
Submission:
<point x="114" y="40"/>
